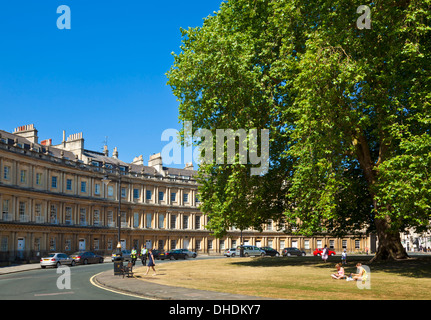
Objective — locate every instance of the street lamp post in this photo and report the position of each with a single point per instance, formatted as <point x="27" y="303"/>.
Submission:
<point x="106" y="181"/>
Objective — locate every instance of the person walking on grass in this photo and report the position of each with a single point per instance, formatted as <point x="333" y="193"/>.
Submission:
<point x="325" y="253"/>
<point x="151" y="263"/>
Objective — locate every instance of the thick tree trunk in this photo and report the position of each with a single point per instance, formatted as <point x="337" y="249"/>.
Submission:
<point x="390" y="247"/>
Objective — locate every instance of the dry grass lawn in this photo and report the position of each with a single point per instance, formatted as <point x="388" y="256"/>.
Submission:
<point x="297" y="278"/>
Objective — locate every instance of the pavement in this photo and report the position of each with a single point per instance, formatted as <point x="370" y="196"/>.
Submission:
<point x="138" y="286"/>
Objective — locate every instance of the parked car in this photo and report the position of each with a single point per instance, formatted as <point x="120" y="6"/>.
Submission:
<point x="56" y="260"/>
<point x="270" y="251"/>
<point x="126" y="254"/>
<point x="86" y="257"/>
<point x="190" y="254"/>
<point x="287" y="252"/>
<point x="156" y="254"/>
<point x="231" y="252"/>
<point x="173" y="254"/>
<point x="319" y="251"/>
<point x="250" y="251"/>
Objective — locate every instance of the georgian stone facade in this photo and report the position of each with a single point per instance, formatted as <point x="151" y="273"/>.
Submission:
<point x="65" y="198"/>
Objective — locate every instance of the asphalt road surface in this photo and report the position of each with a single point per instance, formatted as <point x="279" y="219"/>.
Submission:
<point x="42" y="284"/>
<point x="53" y="284"/>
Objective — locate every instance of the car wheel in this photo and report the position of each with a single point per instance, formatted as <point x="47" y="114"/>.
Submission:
<point x="85" y="261"/>
<point x="43" y="267"/>
<point x="171" y="258"/>
<point x="303" y="254"/>
<point x="288" y="254"/>
<point x="73" y="263"/>
<point x="58" y="264"/>
<point x="277" y="254"/>
<point x="101" y="260"/>
<point x="194" y="256"/>
<point x="233" y="255"/>
<point x="246" y="254"/>
<point x="262" y="254"/>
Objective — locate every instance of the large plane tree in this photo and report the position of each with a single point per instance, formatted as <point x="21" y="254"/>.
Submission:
<point x="345" y="94"/>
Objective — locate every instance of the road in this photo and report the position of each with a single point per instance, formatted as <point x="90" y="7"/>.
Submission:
<point x="41" y="284"/>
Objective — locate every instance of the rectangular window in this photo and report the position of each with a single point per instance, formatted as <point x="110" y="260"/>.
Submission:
<point x="148" y="195"/>
<point x="23" y="176"/>
<point x="53" y="214"/>
<point x="111" y="219"/>
<point x="173" y="244"/>
<point x="197" y="222"/>
<point x="173" y="196"/>
<point x="306" y="244"/>
<point x="161" y="220"/>
<point x="123" y="192"/>
<point x="68" y="216"/>
<point x="185" y="197"/>
<point x="97" y="189"/>
<point x="210" y="244"/>
<point x="185" y="222"/>
<point x="82" y="217"/>
<point x="135" y="193"/>
<point x="161" y="195"/>
<point x="331" y="244"/>
<point x="110" y="191"/>
<point x="69" y="184"/>
<point x="22" y="207"/>
<point x="96" y="217"/>
<point x="136" y="220"/>
<point x="6" y="173"/>
<point x="38" y="179"/>
<point x="4" y="243"/>
<point x="83" y="186"/>
<point x="38" y="213"/>
<point x="344" y="244"/>
<point x="54" y="182"/>
<point x="5" y="212"/>
<point x="149" y="218"/>
<point x="123" y="219"/>
<point x="173" y="221"/>
<point x="357" y="244"/>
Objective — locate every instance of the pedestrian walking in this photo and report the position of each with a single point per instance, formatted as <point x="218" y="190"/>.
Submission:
<point x="134" y="255"/>
<point x="151" y="263"/>
<point x="325" y="253"/>
<point x="344" y="257"/>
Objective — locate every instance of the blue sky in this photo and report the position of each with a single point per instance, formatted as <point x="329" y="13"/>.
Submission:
<point x="104" y="77"/>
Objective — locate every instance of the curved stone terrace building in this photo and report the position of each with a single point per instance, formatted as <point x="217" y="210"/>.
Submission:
<point x="66" y="198"/>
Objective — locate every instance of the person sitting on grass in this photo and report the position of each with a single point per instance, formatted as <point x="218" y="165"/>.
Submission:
<point x="362" y="274"/>
<point x="340" y="272"/>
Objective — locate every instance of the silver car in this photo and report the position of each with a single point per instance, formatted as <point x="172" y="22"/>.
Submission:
<point x="250" y="251"/>
<point x="56" y="260"/>
<point x="126" y="255"/>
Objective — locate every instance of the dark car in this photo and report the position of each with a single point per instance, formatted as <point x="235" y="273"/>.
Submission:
<point x="156" y="254"/>
<point x="287" y="252"/>
<point x="270" y="251"/>
<point x="86" y="257"/>
<point x="173" y="254"/>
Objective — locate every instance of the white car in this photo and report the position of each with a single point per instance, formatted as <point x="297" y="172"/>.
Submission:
<point x="56" y="260"/>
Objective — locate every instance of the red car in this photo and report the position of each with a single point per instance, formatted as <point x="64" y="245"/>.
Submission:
<point x="318" y="252"/>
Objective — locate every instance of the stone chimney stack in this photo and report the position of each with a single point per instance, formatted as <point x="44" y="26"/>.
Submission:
<point x="189" y="166"/>
<point x="115" y="153"/>
<point x="156" y="162"/>
<point x="28" y="132"/>
<point x="105" y="150"/>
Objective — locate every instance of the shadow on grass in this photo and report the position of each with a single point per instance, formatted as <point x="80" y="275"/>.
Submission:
<point x="416" y="266"/>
